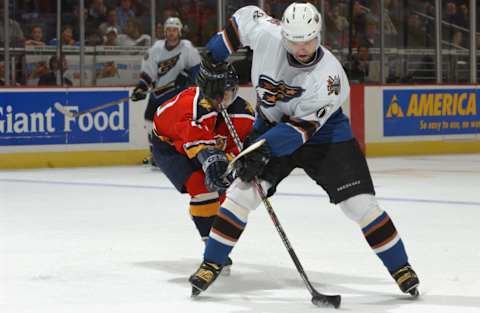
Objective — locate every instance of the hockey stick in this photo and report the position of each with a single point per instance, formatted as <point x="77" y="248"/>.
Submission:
<point x="318" y="298"/>
<point x="242" y="153"/>
<point x="62" y="109"/>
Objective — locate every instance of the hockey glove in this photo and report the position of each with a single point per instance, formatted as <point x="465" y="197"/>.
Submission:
<point x="183" y="80"/>
<point x="253" y="163"/>
<point x="140" y="92"/>
<point x="214" y="164"/>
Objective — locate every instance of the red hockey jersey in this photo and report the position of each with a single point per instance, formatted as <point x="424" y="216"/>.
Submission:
<point x="190" y="123"/>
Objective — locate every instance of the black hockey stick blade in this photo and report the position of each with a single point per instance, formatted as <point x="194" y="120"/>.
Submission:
<point x="322" y="300"/>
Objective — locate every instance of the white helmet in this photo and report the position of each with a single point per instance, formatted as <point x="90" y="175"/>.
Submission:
<point x="301" y="22"/>
<point x="173" y="22"/>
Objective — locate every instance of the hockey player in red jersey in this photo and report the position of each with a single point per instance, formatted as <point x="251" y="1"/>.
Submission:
<point x="192" y="144"/>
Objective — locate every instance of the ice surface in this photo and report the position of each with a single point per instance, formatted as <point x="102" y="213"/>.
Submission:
<point x="115" y="240"/>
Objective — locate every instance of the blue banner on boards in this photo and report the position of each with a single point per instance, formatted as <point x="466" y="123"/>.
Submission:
<point x="417" y="112"/>
<point x="30" y="118"/>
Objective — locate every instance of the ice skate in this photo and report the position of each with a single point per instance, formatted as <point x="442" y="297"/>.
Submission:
<point x="407" y="280"/>
<point x="227" y="267"/>
<point x="204" y="277"/>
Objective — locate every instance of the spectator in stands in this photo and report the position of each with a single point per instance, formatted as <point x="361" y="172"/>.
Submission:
<point x="40" y="69"/>
<point x="97" y="11"/>
<point x="416" y="33"/>
<point x="463" y="16"/>
<point x="359" y="20"/>
<point x="15" y="31"/>
<point x="453" y="19"/>
<point x="124" y="13"/>
<point x="337" y="24"/>
<point x="67" y="37"/>
<point x="111" y="37"/>
<point x="371" y="37"/>
<point x="36" y="36"/>
<point x="139" y="7"/>
<point x="110" y="22"/>
<point x="50" y="79"/>
<point x="133" y="36"/>
<point x="93" y="37"/>
<point x="389" y="27"/>
<point x="359" y="65"/>
<point x="2" y="76"/>
<point x="159" y="31"/>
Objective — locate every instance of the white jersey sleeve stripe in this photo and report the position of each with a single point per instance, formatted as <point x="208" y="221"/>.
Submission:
<point x="301" y="131"/>
<point x="227" y="42"/>
<point x="167" y="105"/>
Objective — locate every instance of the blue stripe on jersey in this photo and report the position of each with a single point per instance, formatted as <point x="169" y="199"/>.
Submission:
<point x="217" y="47"/>
<point x="377" y="221"/>
<point x="260" y="125"/>
<point x="216" y="252"/>
<point x="232" y="216"/>
<point x="193" y="71"/>
<point x="394" y="257"/>
<point x="282" y="139"/>
<point x="286" y="139"/>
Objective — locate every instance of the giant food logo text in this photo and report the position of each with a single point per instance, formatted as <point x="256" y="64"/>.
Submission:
<point x="32" y="118"/>
<point x="431" y="112"/>
<point x="12" y="122"/>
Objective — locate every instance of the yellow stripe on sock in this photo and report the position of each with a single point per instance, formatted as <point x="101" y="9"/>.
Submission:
<point x="204" y="210"/>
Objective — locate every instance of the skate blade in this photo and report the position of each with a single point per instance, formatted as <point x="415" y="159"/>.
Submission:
<point x="226" y="270"/>
<point x="414" y="293"/>
<point x="195" y="292"/>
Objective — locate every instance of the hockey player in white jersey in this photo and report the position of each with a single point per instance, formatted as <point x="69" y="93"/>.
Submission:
<point x="170" y="65"/>
<point x="300" y="88"/>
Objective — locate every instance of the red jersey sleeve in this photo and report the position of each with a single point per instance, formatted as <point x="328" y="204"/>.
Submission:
<point x="187" y="122"/>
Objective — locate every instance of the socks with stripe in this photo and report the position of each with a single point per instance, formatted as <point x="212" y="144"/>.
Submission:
<point x="383" y="238"/>
<point x="226" y="230"/>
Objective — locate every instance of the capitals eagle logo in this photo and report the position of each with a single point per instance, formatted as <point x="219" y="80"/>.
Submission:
<point x="270" y="91"/>
<point x="166" y="65"/>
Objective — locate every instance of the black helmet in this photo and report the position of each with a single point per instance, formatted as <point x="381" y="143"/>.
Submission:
<point x="214" y="79"/>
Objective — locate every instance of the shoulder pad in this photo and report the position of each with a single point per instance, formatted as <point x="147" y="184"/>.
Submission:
<point x="241" y="106"/>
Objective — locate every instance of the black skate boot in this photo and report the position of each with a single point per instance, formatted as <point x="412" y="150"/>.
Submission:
<point x="204" y="277"/>
<point x="407" y="280"/>
<point x="227" y="267"/>
<point x="149" y="161"/>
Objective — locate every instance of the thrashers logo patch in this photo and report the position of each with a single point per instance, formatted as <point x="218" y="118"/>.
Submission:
<point x="333" y="85"/>
<point x="166" y="65"/>
<point x="270" y="91"/>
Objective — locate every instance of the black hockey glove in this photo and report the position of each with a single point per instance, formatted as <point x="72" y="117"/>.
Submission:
<point x="140" y="92"/>
<point x="183" y="80"/>
<point x="214" y="164"/>
<point x="253" y="163"/>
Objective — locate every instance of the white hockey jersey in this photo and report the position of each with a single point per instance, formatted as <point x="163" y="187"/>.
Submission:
<point x="292" y="96"/>
<point x="160" y="66"/>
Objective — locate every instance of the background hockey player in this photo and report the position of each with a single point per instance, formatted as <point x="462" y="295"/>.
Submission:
<point x="300" y="88"/>
<point x="191" y="141"/>
<point x="171" y="63"/>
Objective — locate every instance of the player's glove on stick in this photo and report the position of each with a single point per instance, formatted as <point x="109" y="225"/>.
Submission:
<point x="253" y="163"/>
<point x="214" y="164"/>
<point x="140" y="92"/>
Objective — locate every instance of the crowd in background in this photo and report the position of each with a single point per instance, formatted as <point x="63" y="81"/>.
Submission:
<point x="350" y="24"/>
